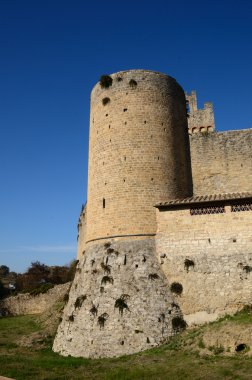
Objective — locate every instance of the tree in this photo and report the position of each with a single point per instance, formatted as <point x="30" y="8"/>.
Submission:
<point x="4" y="270"/>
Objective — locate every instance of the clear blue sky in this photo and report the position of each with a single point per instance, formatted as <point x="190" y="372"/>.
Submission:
<point x="52" y="52"/>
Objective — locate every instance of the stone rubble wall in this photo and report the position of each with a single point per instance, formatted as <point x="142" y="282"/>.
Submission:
<point x="220" y="246"/>
<point x="123" y="273"/>
<point x="27" y="304"/>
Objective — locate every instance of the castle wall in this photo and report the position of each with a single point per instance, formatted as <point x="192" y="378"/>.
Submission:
<point x="221" y="162"/>
<point x="138" y="152"/>
<point x="199" y="120"/>
<point x="220" y="246"/>
<point x="82" y="227"/>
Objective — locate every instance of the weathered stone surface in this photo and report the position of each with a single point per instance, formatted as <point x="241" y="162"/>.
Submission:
<point x="127" y="275"/>
<point x="28" y="304"/>
<point x="219" y="279"/>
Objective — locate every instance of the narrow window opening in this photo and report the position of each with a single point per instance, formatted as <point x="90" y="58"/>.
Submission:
<point x="125" y="109"/>
<point x="144" y="121"/>
<point x="103" y="203"/>
<point x="106" y="114"/>
<point x="109" y="126"/>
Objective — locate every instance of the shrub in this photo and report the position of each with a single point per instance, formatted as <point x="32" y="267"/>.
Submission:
<point x="106" y="81"/>
<point x="79" y="301"/>
<point x="153" y="276"/>
<point x="121" y="304"/>
<point x="94" y="310"/>
<point x="247" y="268"/>
<point x="107" y="279"/>
<point x="188" y="263"/>
<point x="106" y="268"/>
<point x="178" y="324"/>
<point x="102" y="319"/>
<point x="176" y="288"/>
<point x="105" y="101"/>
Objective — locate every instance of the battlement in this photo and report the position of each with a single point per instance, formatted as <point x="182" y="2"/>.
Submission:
<point x="199" y="120"/>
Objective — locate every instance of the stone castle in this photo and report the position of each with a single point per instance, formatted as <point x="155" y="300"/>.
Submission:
<point x="165" y="239"/>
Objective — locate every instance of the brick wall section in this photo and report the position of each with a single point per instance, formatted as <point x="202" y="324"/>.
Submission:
<point x="221" y="162"/>
<point x="220" y="245"/>
<point x="138" y="153"/>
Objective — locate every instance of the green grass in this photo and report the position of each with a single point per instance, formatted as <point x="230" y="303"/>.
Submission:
<point x="171" y="361"/>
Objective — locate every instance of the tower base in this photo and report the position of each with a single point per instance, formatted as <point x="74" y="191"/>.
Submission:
<point x="119" y="303"/>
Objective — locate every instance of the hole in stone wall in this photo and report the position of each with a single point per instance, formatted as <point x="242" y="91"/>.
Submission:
<point x="106" y="114"/>
<point x="103" y="203"/>
<point x="124" y="158"/>
<point x="148" y="340"/>
<point x="176" y="288"/>
<point x="122" y="342"/>
<point x="240" y="347"/>
<point x="144" y="121"/>
<point x="136" y="266"/>
<point x="125" y="109"/>
<point x="162" y="124"/>
<point x="132" y="83"/>
<point x="158" y="158"/>
<point x="119" y="79"/>
<point x="234" y="240"/>
<point x="125" y="260"/>
<point x="106" y="81"/>
<point x="152" y="179"/>
<point x="188" y="263"/>
<point x="105" y="101"/>
<point x="124" y="180"/>
<point x="110" y="140"/>
<point x="165" y="129"/>
<point x="125" y="123"/>
<point x="109" y="126"/>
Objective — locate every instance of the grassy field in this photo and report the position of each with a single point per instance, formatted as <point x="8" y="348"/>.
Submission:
<point x="179" y="359"/>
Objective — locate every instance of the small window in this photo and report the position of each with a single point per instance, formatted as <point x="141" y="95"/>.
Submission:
<point x="103" y="203"/>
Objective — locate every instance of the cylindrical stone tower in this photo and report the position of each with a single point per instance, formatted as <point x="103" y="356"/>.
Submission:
<point x="120" y="301"/>
<point x="138" y="152"/>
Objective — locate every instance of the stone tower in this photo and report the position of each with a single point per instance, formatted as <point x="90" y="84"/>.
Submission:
<point x="138" y="153"/>
<point x="120" y="301"/>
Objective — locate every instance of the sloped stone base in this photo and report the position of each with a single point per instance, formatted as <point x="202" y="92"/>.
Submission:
<point x="119" y="303"/>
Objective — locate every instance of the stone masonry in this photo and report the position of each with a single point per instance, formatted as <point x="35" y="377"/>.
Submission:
<point x="120" y="302"/>
<point x="142" y="269"/>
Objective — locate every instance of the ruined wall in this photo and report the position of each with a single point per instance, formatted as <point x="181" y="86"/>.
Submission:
<point x="221" y="162"/>
<point x="199" y="120"/>
<point x="27" y="304"/>
<point x="220" y="246"/>
<point x="138" y="152"/>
